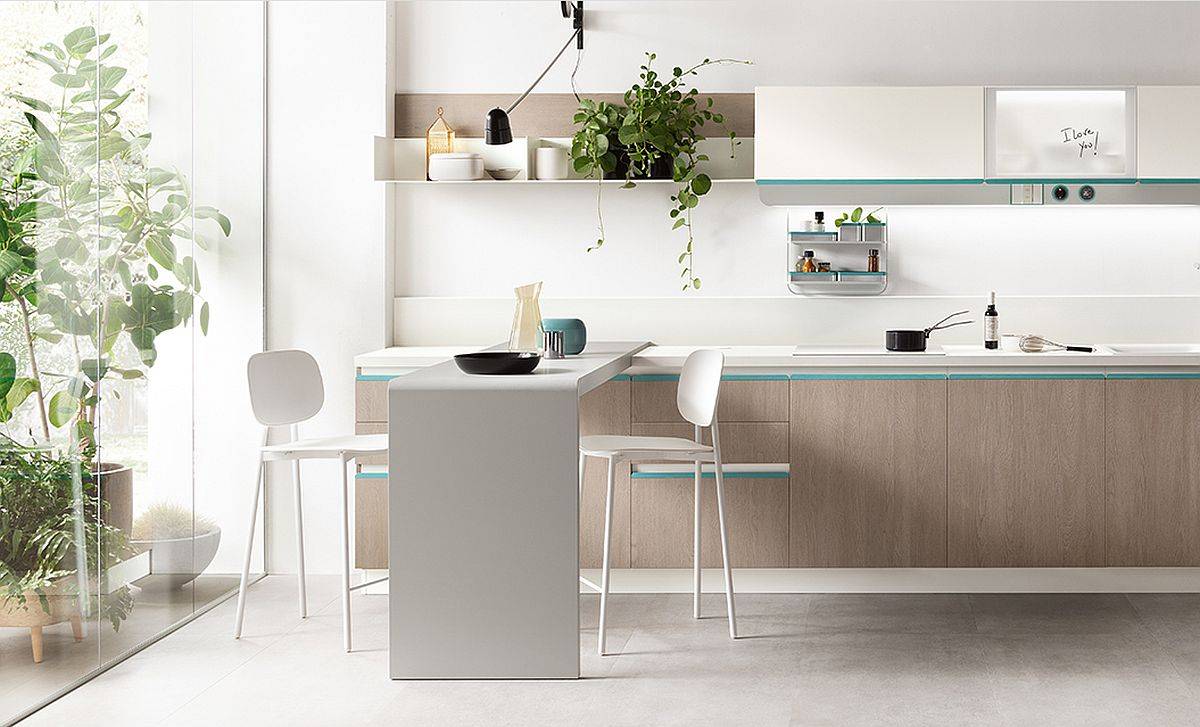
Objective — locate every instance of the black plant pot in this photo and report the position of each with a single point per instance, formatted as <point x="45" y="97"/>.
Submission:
<point x="662" y="168"/>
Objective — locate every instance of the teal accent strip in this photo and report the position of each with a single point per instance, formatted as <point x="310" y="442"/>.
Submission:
<point x="1167" y="180"/>
<point x="1156" y="375"/>
<point x="769" y="182"/>
<point x="724" y="377"/>
<point x="1055" y="180"/>
<point x="709" y="475"/>
<point x="869" y="377"/>
<point x="371" y="476"/>
<point x="376" y="377"/>
<point x="1021" y="377"/>
<point x="620" y="377"/>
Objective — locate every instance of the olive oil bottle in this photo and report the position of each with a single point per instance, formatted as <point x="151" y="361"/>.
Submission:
<point x="991" y="324"/>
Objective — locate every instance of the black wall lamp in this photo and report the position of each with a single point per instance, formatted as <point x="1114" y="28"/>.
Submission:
<point x="496" y="129"/>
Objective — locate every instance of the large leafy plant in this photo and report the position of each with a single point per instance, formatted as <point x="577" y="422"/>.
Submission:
<point x="50" y="526"/>
<point x="93" y="239"/>
<point x="660" y="120"/>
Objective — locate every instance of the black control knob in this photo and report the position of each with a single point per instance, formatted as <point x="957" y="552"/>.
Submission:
<point x="1087" y="193"/>
<point x="1060" y="192"/>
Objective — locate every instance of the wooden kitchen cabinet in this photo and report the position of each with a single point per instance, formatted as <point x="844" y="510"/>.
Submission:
<point x="742" y="400"/>
<point x="1153" y="472"/>
<point x="1026" y="472"/>
<point x="370" y="400"/>
<point x="741" y="442"/>
<point x="661" y="522"/>
<point x="604" y="410"/>
<point x="370" y="522"/>
<point x="868" y="473"/>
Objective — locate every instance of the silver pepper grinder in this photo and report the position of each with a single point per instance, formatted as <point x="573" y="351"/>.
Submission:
<point x="552" y="344"/>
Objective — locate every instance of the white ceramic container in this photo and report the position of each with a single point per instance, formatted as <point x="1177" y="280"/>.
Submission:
<point x="455" y="167"/>
<point x="551" y="162"/>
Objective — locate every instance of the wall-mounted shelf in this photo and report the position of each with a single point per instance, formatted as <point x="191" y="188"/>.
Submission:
<point x="403" y="161"/>
<point x="846" y="251"/>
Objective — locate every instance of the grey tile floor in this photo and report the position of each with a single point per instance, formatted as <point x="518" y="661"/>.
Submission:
<point x="1096" y="659"/>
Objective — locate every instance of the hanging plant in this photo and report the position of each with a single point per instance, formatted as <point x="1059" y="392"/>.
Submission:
<point x="659" y="124"/>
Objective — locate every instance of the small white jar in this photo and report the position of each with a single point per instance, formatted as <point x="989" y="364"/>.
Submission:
<point x="455" y="167"/>
<point x="551" y="162"/>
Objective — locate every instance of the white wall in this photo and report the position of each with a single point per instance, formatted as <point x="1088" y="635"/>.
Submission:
<point x="328" y="265"/>
<point x="460" y="250"/>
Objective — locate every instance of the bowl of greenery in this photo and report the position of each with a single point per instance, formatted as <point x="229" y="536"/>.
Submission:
<point x="182" y="544"/>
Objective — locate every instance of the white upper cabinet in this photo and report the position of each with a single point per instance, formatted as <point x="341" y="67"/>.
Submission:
<point x="869" y="133"/>
<point x="1168" y="120"/>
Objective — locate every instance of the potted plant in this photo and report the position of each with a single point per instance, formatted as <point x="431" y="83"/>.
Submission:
<point x="54" y="545"/>
<point x="181" y="544"/>
<point x="91" y="254"/>
<point x="657" y="129"/>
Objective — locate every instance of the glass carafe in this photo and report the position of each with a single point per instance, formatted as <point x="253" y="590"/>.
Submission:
<point x="526" y="332"/>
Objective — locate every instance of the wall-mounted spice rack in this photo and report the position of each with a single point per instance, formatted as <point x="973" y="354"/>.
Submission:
<point x="846" y="249"/>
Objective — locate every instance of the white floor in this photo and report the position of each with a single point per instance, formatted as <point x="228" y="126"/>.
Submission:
<point x="1011" y="659"/>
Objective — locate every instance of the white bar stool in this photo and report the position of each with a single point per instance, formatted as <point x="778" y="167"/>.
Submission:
<point x="286" y="389"/>
<point x="699" y="387"/>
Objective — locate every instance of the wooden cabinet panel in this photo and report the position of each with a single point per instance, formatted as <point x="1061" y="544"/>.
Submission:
<point x="661" y="522"/>
<point x="370" y="401"/>
<point x="1168" y="146"/>
<point x="757" y="442"/>
<point x="371" y="428"/>
<point x="868" y="473"/>
<point x="604" y="410"/>
<point x="741" y="401"/>
<point x="869" y="132"/>
<point x="370" y="522"/>
<point x="1153" y="472"/>
<point x="1026" y="473"/>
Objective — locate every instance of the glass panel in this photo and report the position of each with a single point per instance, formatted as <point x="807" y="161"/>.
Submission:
<point x="1061" y="132"/>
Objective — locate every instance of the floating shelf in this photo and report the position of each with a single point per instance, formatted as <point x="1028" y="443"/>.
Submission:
<point x="403" y="161"/>
<point x="845" y="250"/>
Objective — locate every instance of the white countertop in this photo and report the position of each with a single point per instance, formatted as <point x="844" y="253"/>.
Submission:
<point x="668" y="358"/>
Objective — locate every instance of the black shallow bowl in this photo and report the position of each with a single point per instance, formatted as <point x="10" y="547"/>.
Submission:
<point x="497" y="362"/>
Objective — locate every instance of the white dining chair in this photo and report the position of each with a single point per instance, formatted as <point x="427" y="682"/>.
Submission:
<point x="286" y="389"/>
<point x="699" y="387"/>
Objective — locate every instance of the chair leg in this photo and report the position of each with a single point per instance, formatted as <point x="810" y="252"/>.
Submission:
<point x="345" y="521"/>
<point x="608" y="508"/>
<point x="725" y="548"/>
<point x="696" y="549"/>
<point x="299" y="531"/>
<point x="241" y="604"/>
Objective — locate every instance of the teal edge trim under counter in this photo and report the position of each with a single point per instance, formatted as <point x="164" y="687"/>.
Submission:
<point x="725" y="377"/>
<point x="371" y="476"/>
<point x="868" y="377"/>
<point x="376" y="377"/>
<point x="733" y="475"/>
<point x="1156" y="375"/>
<point x="1016" y="376"/>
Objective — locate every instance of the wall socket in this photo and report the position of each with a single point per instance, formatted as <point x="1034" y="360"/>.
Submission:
<point x="1025" y="193"/>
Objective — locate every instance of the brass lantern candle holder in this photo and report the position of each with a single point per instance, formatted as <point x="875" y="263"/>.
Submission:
<point x="439" y="139"/>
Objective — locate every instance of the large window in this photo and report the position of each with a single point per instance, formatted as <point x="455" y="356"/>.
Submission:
<point x="131" y="213"/>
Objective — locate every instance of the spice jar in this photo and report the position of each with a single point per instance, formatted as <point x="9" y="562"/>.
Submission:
<point x="823" y="266"/>
<point x="809" y="263"/>
<point x="873" y="260"/>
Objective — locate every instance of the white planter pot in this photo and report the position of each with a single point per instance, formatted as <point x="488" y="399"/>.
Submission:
<point x="176" y="562"/>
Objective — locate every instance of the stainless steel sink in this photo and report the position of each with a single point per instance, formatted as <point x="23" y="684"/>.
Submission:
<point x="1156" y="349"/>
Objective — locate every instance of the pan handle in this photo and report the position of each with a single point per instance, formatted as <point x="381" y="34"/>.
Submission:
<point x="938" y="326"/>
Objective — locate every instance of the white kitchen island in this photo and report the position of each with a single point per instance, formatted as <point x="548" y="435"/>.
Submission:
<point x="484" y="518"/>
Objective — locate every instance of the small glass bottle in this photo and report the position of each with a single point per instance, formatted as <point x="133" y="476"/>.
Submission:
<point x="873" y="260"/>
<point x="809" y="263"/>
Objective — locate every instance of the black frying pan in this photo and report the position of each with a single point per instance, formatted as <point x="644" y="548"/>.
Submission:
<point x="913" y="341"/>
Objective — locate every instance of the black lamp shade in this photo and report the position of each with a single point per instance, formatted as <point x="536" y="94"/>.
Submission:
<point x="496" y="129"/>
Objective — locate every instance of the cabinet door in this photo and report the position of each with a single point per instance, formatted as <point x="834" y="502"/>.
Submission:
<point x="1026" y="473"/>
<point x="868" y="133"/>
<point x="1153" y="472"/>
<point x="604" y="410"/>
<point x="868" y="473"/>
<point x="1168" y="143"/>
<point x="741" y="400"/>
<point x="370" y="521"/>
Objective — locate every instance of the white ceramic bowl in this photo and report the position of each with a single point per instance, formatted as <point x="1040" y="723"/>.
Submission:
<point x="455" y="167"/>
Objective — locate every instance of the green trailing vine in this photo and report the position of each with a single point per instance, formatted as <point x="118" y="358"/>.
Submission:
<point x="660" y="120"/>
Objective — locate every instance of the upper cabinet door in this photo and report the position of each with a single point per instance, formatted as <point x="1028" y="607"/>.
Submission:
<point x="1168" y="136"/>
<point x="869" y="133"/>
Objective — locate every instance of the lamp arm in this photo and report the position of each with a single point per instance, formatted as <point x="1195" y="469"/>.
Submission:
<point x="543" y="73"/>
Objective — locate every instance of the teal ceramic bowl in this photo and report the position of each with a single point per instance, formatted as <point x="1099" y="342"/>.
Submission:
<point x="573" y="330"/>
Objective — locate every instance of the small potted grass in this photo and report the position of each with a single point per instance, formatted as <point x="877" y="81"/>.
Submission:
<point x="181" y="544"/>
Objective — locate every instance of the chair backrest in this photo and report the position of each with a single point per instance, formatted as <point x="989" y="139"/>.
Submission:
<point x="699" y="386"/>
<point x="285" y="387"/>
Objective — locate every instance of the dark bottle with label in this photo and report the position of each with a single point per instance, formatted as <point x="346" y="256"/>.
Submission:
<point x="991" y="324"/>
